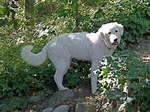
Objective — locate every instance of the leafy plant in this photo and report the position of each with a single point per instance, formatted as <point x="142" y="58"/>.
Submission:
<point x="125" y="79"/>
<point x="8" y="13"/>
<point x="13" y="104"/>
<point x="77" y="71"/>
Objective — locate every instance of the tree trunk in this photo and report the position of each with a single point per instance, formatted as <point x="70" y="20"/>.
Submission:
<point x="29" y="12"/>
<point x="77" y="16"/>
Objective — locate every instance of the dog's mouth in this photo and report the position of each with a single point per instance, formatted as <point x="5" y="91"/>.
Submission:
<point x="115" y="43"/>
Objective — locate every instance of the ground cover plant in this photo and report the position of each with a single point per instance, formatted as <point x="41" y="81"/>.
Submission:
<point x="125" y="80"/>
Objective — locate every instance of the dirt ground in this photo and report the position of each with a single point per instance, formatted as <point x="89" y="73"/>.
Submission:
<point x="143" y="49"/>
<point x="83" y="91"/>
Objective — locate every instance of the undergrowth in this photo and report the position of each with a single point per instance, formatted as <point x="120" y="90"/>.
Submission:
<point x="124" y="79"/>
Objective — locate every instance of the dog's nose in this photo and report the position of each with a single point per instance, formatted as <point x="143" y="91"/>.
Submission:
<point x="116" y="40"/>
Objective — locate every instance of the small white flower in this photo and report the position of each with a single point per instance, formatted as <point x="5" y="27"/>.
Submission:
<point x="104" y="62"/>
<point x="43" y="32"/>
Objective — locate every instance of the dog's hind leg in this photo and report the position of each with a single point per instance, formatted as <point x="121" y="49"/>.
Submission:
<point x="61" y="65"/>
<point x="61" y="68"/>
<point x="60" y="58"/>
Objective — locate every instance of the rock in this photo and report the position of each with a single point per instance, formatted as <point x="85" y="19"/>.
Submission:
<point x="49" y="109"/>
<point x="59" y="97"/>
<point x="40" y="95"/>
<point x="85" y="107"/>
<point x="62" y="108"/>
<point x="33" y="99"/>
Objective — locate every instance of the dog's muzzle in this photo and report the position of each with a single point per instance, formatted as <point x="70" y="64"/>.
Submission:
<point x="115" y="42"/>
<point x="113" y="39"/>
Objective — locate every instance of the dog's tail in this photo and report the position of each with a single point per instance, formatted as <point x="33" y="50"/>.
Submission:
<point x="34" y="59"/>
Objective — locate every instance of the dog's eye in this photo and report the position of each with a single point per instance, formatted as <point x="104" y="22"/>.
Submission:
<point x="109" y="33"/>
<point x="116" y="31"/>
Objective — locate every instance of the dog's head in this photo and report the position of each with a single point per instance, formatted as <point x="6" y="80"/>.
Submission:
<point x="111" y="34"/>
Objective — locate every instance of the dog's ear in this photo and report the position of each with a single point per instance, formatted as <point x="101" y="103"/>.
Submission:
<point x="103" y="36"/>
<point x="120" y="27"/>
<point x="101" y="32"/>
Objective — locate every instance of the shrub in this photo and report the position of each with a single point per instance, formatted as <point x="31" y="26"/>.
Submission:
<point x="78" y="70"/>
<point x="125" y="79"/>
<point x="134" y="15"/>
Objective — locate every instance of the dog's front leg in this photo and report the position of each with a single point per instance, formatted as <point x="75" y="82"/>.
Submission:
<point x="95" y="66"/>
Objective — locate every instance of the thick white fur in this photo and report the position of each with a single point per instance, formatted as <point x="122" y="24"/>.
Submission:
<point x="83" y="46"/>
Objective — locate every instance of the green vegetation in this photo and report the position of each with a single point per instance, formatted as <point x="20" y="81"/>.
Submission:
<point x="125" y="79"/>
<point x="54" y="17"/>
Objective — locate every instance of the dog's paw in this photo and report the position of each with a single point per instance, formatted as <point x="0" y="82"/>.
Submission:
<point x="93" y="91"/>
<point x="63" y="88"/>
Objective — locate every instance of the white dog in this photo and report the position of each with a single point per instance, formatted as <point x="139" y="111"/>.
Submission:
<point x="83" y="46"/>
